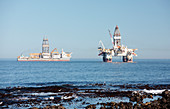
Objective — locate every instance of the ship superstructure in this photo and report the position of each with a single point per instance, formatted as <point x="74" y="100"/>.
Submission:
<point x="54" y="55"/>
<point x="117" y="50"/>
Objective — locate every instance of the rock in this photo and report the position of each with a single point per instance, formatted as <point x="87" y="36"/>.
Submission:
<point x="87" y="103"/>
<point x="132" y="99"/>
<point x="53" y="107"/>
<point x="163" y="100"/>
<point x="136" y="96"/>
<point x="150" y="96"/>
<point x="60" y="107"/>
<point x="84" y="102"/>
<point x="138" y="99"/>
<point x="166" y="94"/>
<point x="112" y="103"/>
<point x="91" y="107"/>
<point x="147" y="103"/>
<point x="116" y="106"/>
<point x="34" y="108"/>
<point x="149" y="106"/>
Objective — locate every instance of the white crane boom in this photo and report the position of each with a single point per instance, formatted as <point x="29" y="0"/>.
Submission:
<point x="111" y="37"/>
<point x="100" y="42"/>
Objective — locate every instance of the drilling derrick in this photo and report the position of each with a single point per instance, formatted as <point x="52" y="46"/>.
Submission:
<point x="117" y="37"/>
<point x="45" y="48"/>
<point x="117" y="50"/>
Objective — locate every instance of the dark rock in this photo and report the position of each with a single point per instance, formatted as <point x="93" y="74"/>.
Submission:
<point x="112" y="103"/>
<point x="84" y="102"/>
<point x="163" y="100"/>
<point x="132" y="99"/>
<point x="150" y="96"/>
<point x="166" y="94"/>
<point x="34" y="108"/>
<point x="138" y="99"/>
<point x="91" y="107"/>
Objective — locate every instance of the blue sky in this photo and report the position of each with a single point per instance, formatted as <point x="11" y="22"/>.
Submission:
<point x="77" y="26"/>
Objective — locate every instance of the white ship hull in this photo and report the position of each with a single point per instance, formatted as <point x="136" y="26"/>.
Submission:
<point x="42" y="59"/>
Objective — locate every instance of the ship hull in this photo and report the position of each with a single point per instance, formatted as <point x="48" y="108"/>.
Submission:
<point x="43" y="59"/>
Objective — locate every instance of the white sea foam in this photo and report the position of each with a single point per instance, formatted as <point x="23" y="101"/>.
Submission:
<point x="22" y="98"/>
<point x="41" y="94"/>
<point x="69" y="97"/>
<point x="52" y="98"/>
<point x="49" y="98"/>
<point x="154" y="91"/>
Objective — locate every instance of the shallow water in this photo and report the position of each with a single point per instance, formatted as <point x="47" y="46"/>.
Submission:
<point x="80" y="72"/>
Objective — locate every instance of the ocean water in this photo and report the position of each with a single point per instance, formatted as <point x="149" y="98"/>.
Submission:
<point x="82" y="71"/>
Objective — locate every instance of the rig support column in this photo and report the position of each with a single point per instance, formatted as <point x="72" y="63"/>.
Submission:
<point x="107" y="57"/>
<point x="127" y="59"/>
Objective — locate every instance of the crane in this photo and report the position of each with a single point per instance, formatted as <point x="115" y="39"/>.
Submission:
<point x="111" y="37"/>
<point x="54" y="50"/>
<point x="100" y="42"/>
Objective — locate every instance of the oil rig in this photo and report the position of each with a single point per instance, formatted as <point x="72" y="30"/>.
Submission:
<point x="117" y="50"/>
<point x="54" y="55"/>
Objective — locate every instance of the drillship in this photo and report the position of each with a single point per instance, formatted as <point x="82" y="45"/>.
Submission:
<point x="117" y="49"/>
<point x="45" y="55"/>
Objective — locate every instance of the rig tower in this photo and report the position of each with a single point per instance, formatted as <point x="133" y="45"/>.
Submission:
<point x="45" y="48"/>
<point x="117" y="37"/>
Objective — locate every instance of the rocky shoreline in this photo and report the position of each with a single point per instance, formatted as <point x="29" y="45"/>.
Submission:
<point x="63" y="96"/>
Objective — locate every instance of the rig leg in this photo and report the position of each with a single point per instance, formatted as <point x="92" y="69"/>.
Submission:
<point x="106" y="59"/>
<point x="130" y="59"/>
<point x="127" y="59"/>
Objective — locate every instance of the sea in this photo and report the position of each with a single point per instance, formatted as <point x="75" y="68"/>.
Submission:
<point x="83" y="71"/>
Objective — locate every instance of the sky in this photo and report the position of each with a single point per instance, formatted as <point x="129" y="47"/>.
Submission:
<point x="77" y="26"/>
